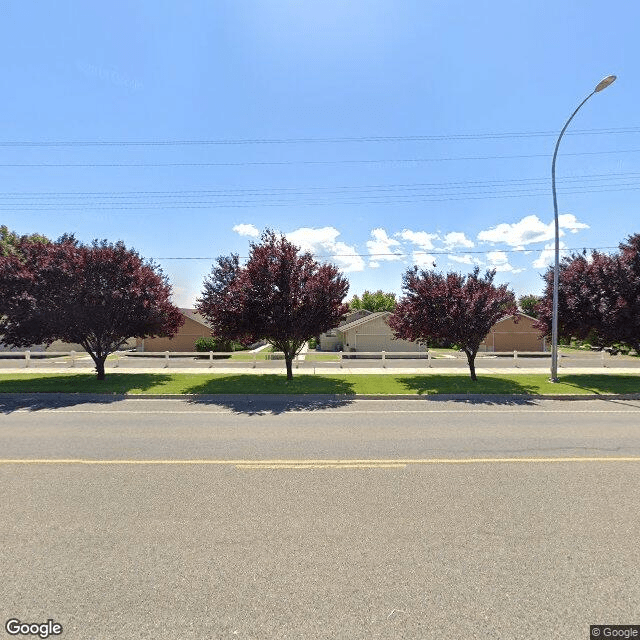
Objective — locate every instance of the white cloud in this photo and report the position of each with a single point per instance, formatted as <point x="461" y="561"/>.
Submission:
<point x="568" y="221"/>
<point x="322" y="242"/>
<point x="421" y="238"/>
<point x="424" y="260"/>
<point x="466" y="259"/>
<point x="530" y="229"/>
<point x="382" y="248"/>
<point x="246" y="230"/>
<point x="547" y="255"/>
<point x="457" y="239"/>
<point x="497" y="258"/>
<point x="499" y="261"/>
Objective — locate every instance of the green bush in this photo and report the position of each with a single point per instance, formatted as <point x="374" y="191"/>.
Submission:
<point x="213" y="344"/>
<point x="313" y="343"/>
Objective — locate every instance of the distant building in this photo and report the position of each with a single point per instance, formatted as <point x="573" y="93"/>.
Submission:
<point x="514" y="333"/>
<point x="195" y="326"/>
<point x="368" y="332"/>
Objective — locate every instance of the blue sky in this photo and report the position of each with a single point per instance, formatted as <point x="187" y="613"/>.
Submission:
<point x="371" y="132"/>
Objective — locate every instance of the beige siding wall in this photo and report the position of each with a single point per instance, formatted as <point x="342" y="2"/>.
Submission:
<point x="58" y="345"/>
<point x="376" y="336"/>
<point x="185" y="339"/>
<point x="507" y="335"/>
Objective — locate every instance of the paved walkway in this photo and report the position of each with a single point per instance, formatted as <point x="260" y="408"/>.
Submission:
<point x="324" y="370"/>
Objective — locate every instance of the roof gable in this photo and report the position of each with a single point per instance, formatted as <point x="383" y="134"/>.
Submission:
<point x="361" y="321"/>
<point x="193" y="314"/>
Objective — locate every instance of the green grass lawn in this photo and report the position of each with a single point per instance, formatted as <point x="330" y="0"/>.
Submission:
<point x="195" y="383"/>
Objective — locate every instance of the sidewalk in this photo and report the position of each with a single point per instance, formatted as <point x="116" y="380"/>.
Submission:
<point x="325" y="370"/>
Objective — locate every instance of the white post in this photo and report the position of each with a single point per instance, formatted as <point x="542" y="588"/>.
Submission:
<point x="383" y="360"/>
<point x="166" y="359"/>
<point x="515" y="359"/>
<point x="340" y="352"/>
<point x="429" y="357"/>
<point x="72" y="355"/>
<point x="27" y="358"/>
<point x="117" y="361"/>
<point x="210" y="359"/>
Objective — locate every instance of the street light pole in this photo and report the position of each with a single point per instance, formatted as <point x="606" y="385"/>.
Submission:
<point x="603" y="84"/>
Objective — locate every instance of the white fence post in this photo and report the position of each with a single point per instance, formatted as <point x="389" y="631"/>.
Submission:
<point x="210" y="359"/>
<point x="166" y="359"/>
<point x="72" y="355"/>
<point x="429" y="357"/>
<point x="27" y="358"/>
<point x="515" y="359"/>
<point x="383" y="361"/>
<point x="340" y="352"/>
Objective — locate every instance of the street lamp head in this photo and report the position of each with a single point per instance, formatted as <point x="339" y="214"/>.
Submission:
<point x="604" y="83"/>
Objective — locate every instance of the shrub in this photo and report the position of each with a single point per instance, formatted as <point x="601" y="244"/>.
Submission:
<point x="313" y="343"/>
<point x="213" y="344"/>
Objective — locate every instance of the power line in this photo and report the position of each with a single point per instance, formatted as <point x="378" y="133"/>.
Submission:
<point x="335" y="139"/>
<point x="363" y="200"/>
<point x="306" y="190"/>
<point x="413" y="253"/>
<point x="303" y="162"/>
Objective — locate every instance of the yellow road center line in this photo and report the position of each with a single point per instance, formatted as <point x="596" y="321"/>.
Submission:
<point x="320" y="466"/>
<point x="314" y="463"/>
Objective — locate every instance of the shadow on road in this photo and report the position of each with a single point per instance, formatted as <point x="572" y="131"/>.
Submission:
<point x="272" y="405"/>
<point x="58" y="391"/>
<point x="10" y="402"/>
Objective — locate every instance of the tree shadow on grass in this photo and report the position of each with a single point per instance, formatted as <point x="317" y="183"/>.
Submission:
<point x="603" y="383"/>
<point x="458" y="388"/>
<point x="272" y="394"/>
<point x="59" y="391"/>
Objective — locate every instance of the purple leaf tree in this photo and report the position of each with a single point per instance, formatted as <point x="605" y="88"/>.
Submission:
<point x="98" y="296"/>
<point x="280" y="295"/>
<point x="453" y="307"/>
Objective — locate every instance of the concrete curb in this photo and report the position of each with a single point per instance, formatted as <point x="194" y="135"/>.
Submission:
<point x="476" y="397"/>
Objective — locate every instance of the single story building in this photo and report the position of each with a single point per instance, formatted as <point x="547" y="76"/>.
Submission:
<point x="331" y="340"/>
<point x="514" y="333"/>
<point x="195" y="326"/>
<point x="371" y="332"/>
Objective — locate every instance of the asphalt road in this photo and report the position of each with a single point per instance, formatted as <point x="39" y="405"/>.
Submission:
<point x="284" y="518"/>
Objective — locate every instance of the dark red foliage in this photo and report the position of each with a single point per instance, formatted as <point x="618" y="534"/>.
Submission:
<point x="453" y="307"/>
<point x="280" y="296"/>
<point x="598" y="297"/>
<point x="97" y="296"/>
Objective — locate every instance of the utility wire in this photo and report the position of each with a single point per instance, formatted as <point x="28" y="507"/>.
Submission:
<point x="412" y="253"/>
<point x="307" y="190"/>
<point x="337" y="139"/>
<point x="302" y="162"/>
<point x="139" y="206"/>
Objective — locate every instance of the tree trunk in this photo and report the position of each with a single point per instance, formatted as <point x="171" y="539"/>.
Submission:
<point x="289" y="360"/>
<point x="471" y="359"/>
<point x="99" y="362"/>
